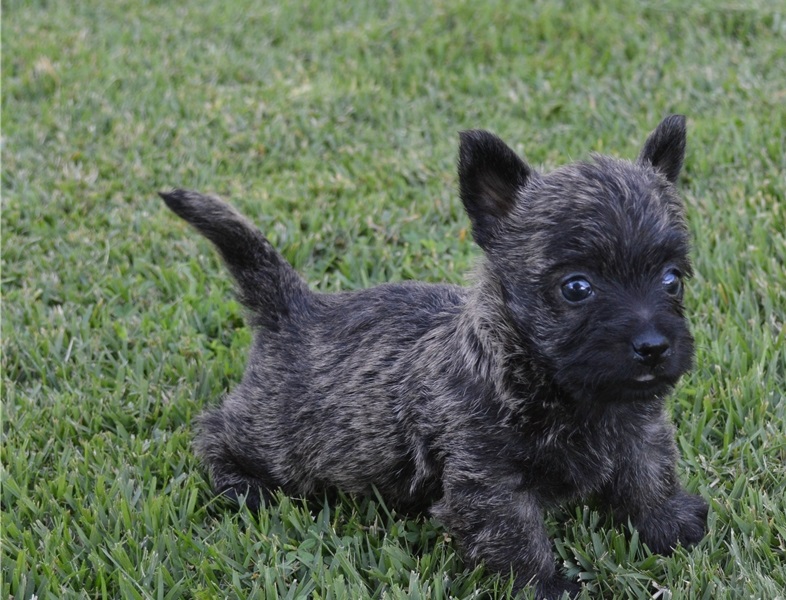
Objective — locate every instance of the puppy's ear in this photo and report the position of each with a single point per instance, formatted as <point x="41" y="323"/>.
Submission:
<point x="665" y="147"/>
<point x="490" y="175"/>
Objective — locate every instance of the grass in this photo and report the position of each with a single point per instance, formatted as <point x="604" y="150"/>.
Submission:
<point x="334" y="124"/>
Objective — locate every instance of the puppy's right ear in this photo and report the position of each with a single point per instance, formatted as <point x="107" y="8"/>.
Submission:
<point x="490" y="176"/>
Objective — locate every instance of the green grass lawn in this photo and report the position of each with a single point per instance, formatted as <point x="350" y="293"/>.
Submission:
<point x="334" y="124"/>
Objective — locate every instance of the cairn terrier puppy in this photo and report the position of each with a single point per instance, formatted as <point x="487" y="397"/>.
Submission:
<point x="543" y="382"/>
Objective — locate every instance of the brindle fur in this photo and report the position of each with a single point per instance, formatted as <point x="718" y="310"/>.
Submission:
<point x="483" y="404"/>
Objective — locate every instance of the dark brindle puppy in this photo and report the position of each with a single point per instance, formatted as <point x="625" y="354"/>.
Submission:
<point x="543" y="382"/>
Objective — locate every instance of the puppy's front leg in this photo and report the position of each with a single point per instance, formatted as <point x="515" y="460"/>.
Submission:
<point x="503" y="528"/>
<point x="646" y="490"/>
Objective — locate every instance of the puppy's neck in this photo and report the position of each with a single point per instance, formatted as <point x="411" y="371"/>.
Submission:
<point x="498" y="347"/>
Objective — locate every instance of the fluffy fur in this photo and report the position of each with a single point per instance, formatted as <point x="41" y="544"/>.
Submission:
<point x="541" y="383"/>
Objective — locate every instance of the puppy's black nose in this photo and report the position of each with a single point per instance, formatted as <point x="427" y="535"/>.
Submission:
<point x="650" y="347"/>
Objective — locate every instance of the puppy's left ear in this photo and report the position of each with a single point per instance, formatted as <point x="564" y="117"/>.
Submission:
<point x="490" y="176"/>
<point x="665" y="147"/>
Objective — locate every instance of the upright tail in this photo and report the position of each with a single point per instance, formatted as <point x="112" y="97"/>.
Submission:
<point x="268" y="285"/>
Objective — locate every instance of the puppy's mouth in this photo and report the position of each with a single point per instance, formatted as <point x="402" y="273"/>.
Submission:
<point x="649" y="382"/>
<point x="644" y="378"/>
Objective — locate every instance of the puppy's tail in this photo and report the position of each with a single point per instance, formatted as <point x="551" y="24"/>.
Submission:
<point x="268" y="285"/>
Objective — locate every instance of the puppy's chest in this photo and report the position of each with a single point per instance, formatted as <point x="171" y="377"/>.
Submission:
<point x="560" y="462"/>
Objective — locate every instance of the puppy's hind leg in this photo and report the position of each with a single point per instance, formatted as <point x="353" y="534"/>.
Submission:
<point x="233" y="473"/>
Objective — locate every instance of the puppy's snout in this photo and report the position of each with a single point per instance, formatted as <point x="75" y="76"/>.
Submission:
<point x="650" y="348"/>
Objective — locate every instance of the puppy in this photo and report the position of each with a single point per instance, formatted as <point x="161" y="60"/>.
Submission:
<point x="543" y="382"/>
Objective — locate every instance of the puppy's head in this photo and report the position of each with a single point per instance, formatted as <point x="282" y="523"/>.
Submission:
<point x="590" y="260"/>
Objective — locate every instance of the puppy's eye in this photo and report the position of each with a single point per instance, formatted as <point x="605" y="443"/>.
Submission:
<point x="576" y="289"/>
<point x="672" y="282"/>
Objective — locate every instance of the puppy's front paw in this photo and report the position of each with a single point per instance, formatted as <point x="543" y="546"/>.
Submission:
<point x="556" y="588"/>
<point x="682" y="519"/>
